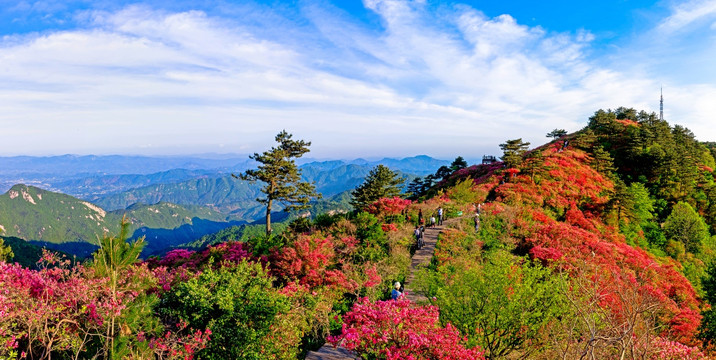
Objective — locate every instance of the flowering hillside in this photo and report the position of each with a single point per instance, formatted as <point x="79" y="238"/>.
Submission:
<point x="596" y="245"/>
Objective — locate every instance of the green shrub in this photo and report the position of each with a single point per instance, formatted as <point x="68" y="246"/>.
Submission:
<point x="502" y="306"/>
<point x="238" y="304"/>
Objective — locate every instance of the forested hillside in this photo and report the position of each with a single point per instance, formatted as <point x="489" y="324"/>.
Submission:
<point x="68" y="224"/>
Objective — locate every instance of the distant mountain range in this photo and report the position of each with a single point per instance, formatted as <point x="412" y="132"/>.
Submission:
<point x="78" y="199"/>
<point x="73" y="225"/>
<point x="92" y="177"/>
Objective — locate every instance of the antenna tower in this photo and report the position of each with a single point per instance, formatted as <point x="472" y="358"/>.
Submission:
<point x="661" y="106"/>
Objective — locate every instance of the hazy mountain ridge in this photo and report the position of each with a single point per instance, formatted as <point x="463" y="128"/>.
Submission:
<point x="62" y="222"/>
<point x="178" y="206"/>
<point x="72" y="165"/>
<point x="231" y="196"/>
<point x="90" y="177"/>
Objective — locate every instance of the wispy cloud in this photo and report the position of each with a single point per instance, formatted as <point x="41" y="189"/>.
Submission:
<point x="443" y="81"/>
<point x="689" y="13"/>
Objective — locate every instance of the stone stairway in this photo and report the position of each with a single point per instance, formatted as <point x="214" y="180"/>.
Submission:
<point x="420" y="259"/>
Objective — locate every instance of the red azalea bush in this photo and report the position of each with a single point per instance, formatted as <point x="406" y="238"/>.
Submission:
<point x="389" y="227"/>
<point x="63" y="310"/>
<point x="231" y="252"/>
<point x="388" y="206"/>
<point x="572" y="190"/>
<point x="310" y="260"/>
<point x="398" y="330"/>
<point x="672" y="350"/>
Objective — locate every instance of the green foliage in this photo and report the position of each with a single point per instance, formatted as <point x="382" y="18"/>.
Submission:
<point x="642" y="204"/>
<point x="264" y="244"/>
<point x="115" y="254"/>
<point x="381" y="182"/>
<point x="300" y="225"/>
<point x="556" y="133"/>
<point x="112" y="260"/>
<point x="463" y="193"/>
<point x="282" y="177"/>
<point x="602" y="161"/>
<point x="707" y="330"/>
<point x="24" y="253"/>
<point x="374" y="243"/>
<point x="686" y="226"/>
<point x="654" y="236"/>
<point x="502" y="306"/>
<point x="493" y="230"/>
<point x="238" y="304"/>
<point x="6" y="253"/>
<point x="458" y="163"/>
<point x="635" y="209"/>
<point x="513" y="152"/>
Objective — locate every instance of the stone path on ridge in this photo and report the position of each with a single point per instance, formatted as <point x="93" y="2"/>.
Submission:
<point x="420" y="259"/>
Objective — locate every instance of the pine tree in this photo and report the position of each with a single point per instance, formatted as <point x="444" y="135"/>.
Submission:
<point x="513" y="151"/>
<point x="415" y="188"/>
<point x="381" y="182"/>
<point x="557" y="133"/>
<point x="279" y="171"/>
<point x="112" y="260"/>
<point x="458" y="163"/>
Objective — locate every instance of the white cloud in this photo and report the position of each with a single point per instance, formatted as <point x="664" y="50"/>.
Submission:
<point x="688" y="13"/>
<point x="454" y="83"/>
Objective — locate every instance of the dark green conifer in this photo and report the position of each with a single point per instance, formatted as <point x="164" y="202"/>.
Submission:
<point x="381" y="182"/>
<point x="282" y="177"/>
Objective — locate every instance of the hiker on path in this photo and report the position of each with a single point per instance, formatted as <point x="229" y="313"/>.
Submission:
<point x="477" y="221"/>
<point x="396" y="293"/>
<point x="418" y="234"/>
<point x="432" y="221"/>
<point x="420" y="217"/>
<point x="440" y="216"/>
<point x="421" y="241"/>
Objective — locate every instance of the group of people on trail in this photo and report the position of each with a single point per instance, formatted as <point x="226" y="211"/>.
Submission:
<point x="433" y="220"/>
<point x="419" y="231"/>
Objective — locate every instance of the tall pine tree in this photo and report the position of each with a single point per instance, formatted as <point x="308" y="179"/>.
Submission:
<point x="282" y="177"/>
<point x="381" y="182"/>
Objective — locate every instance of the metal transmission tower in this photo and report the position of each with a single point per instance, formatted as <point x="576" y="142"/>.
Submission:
<point x="661" y="106"/>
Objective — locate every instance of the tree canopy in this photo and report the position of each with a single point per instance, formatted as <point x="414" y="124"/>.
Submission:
<point x="458" y="163"/>
<point x="557" y="133"/>
<point x="381" y="182"/>
<point x="279" y="171"/>
<point x="686" y="226"/>
<point x="6" y="253"/>
<point x="513" y="151"/>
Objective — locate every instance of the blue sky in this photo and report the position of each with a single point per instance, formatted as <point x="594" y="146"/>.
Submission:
<point x="357" y="78"/>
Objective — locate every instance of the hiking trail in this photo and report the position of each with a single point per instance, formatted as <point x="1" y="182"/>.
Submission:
<point x="421" y="258"/>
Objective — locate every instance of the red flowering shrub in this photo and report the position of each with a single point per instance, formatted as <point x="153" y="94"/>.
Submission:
<point x="389" y="227"/>
<point x="311" y="261"/>
<point x="627" y="122"/>
<point x="231" y="252"/>
<point x="570" y="189"/>
<point x="62" y="310"/>
<point x="397" y="330"/>
<point x="672" y="350"/>
<point x="388" y="206"/>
